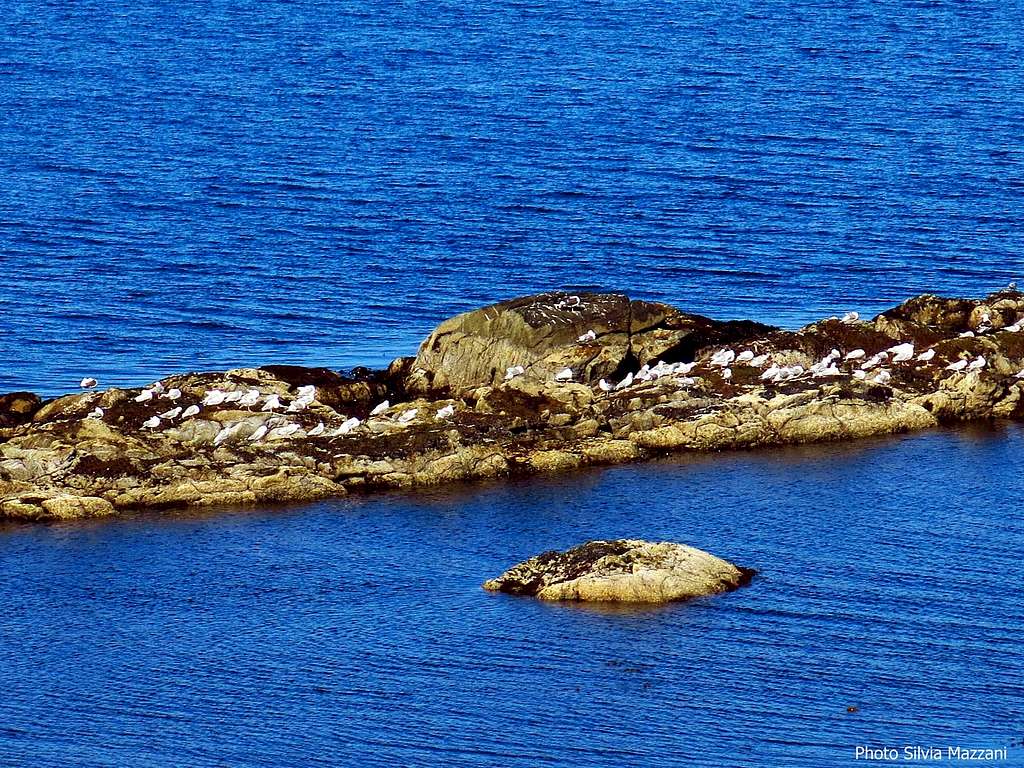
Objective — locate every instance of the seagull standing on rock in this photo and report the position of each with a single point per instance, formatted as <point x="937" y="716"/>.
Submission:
<point x="901" y="352"/>
<point x="173" y="394"/>
<point x="977" y="364"/>
<point x="273" y="403"/>
<point x="604" y="386"/>
<point x="445" y="412"/>
<point x="286" y="430"/>
<point x="261" y="430"/>
<point x="564" y="375"/>
<point x="723" y="357"/>
<point x="213" y="397"/>
<point x="515" y="370"/>
<point x="151" y="423"/>
<point x="348" y="426"/>
<point x="587" y="337"/>
<point x="144" y="395"/>
<point x="408" y="416"/>
<point x="851" y="317"/>
<point x="96" y="413"/>
<point x="192" y="410"/>
<point x="745" y="356"/>
<point x="380" y="408"/>
<point x="250" y="398"/>
<point x="927" y="355"/>
<point x="959" y="365"/>
<point x="856" y="354"/>
<point x="225" y="432"/>
<point x="317" y="430"/>
<point x="171" y="414"/>
<point x="625" y="382"/>
<point x="88" y="382"/>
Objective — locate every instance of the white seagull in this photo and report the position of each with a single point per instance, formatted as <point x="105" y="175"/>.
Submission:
<point x="586" y="337"/>
<point x="927" y="355"/>
<point x="445" y="412"/>
<point x="192" y="410"/>
<point x="408" y="416"/>
<point x="564" y="375"/>
<point x="284" y="431"/>
<point x="851" y="317"/>
<point x="977" y="364"/>
<point x="727" y="373"/>
<point x="173" y="394"/>
<point x="723" y="357"/>
<point x="855" y="354"/>
<point x="604" y="386"/>
<point x="515" y="370"/>
<point x="144" y="395"/>
<point x="151" y="423"/>
<point x="902" y="352"/>
<point x="213" y="397"/>
<point x="625" y="382"/>
<point x="273" y="402"/>
<point x="745" y="356"/>
<point x="96" y="413"/>
<point x="348" y="426"/>
<point x="225" y="432"/>
<point x="757" y="362"/>
<point x="959" y="365"/>
<point x="88" y="382"/>
<point x="882" y="377"/>
<point x="317" y="430"/>
<point x="261" y="430"/>
<point x="233" y="397"/>
<point x="859" y="374"/>
<point x="380" y="408"/>
<point x="171" y="414"/>
<point x="250" y="398"/>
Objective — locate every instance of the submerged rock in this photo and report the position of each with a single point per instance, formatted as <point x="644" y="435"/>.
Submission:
<point x="623" y="571"/>
<point x="594" y="379"/>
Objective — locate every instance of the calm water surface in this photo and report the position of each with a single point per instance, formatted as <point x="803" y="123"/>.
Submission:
<point x="355" y="632"/>
<point x="203" y="186"/>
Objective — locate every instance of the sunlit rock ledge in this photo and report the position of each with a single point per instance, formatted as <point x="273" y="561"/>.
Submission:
<point x="542" y="383"/>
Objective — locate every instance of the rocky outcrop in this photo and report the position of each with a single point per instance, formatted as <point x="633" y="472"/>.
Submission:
<point x="649" y="379"/>
<point x="594" y="335"/>
<point x="622" y="571"/>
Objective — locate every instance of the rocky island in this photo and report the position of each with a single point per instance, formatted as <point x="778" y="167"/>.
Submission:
<point x="542" y="383"/>
<point x="622" y="571"/>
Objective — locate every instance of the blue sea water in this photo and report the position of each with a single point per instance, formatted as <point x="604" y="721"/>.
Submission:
<point x="209" y="185"/>
<point x="195" y="186"/>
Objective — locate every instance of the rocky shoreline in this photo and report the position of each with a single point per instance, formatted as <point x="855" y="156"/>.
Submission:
<point x="543" y="383"/>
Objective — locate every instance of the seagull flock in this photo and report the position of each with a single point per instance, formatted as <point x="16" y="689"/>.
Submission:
<point x="277" y="427"/>
<point x="835" y="364"/>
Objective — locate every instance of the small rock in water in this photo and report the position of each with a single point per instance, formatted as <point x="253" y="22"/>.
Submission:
<point x="622" y="570"/>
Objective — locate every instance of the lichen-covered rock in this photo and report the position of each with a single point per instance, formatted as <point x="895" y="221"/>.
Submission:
<point x="622" y="571"/>
<point x="672" y="382"/>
